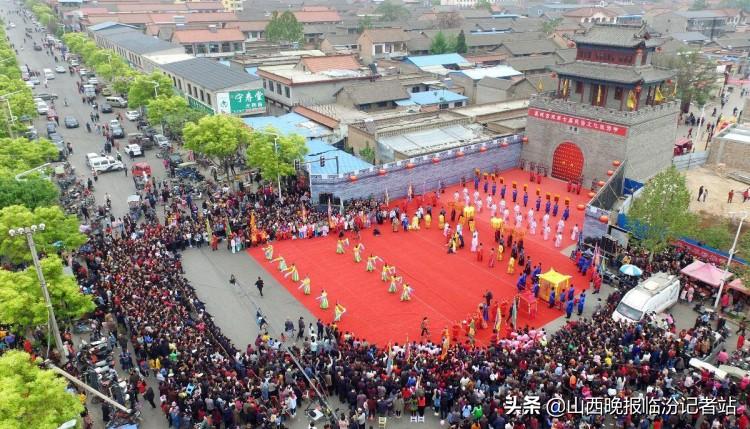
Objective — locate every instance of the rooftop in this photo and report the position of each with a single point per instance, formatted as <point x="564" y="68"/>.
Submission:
<point x="586" y="12"/>
<point x="689" y="36"/>
<point x="695" y="14"/>
<point x="296" y="76"/>
<point x="738" y="133"/>
<point x="492" y="108"/>
<point x="189" y="18"/>
<point x="438" y="60"/>
<point x="376" y="92"/>
<point x="535" y="62"/>
<point x="290" y="123"/>
<point x="206" y="35"/>
<point x="612" y="73"/>
<point x="384" y="35"/>
<point x="209" y="74"/>
<point x="501" y="71"/>
<point x="135" y="41"/>
<point x="432" y="140"/>
<point x="313" y="16"/>
<point x="426" y="98"/>
<point x="332" y="62"/>
<point x="626" y="36"/>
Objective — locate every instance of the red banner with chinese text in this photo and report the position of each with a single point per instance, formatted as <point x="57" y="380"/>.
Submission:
<point x="576" y="121"/>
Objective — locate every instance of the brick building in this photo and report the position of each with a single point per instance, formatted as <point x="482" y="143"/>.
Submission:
<point x="610" y="104"/>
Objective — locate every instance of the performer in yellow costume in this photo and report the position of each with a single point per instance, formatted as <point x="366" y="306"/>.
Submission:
<point x="441" y="221"/>
<point x="406" y="292"/>
<point x="414" y="223"/>
<point x="511" y="265"/>
<point x="340" y="245"/>
<point x="394" y="284"/>
<point x="357" y="252"/>
<point x="323" y="298"/>
<point x="281" y="261"/>
<point x="305" y="285"/>
<point x="371" y="260"/>
<point x="292" y="271"/>
<point x="427" y="220"/>
<point x="338" y="311"/>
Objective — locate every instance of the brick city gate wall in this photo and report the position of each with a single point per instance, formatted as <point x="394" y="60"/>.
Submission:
<point x="425" y="175"/>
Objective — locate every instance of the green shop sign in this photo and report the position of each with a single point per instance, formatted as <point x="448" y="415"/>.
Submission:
<point x="197" y="105"/>
<point x="241" y="102"/>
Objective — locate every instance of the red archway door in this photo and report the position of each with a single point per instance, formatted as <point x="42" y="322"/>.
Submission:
<point x="567" y="162"/>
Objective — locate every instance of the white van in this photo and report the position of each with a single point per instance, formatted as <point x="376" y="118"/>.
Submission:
<point x="117" y="101"/>
<point x="48" y="74"/>
<point x="654" y="295"/>
<point x="106" y="163"/>
<point x="89" y="90"/>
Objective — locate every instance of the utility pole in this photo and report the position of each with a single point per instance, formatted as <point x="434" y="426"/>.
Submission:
<point x="732" y="251"/>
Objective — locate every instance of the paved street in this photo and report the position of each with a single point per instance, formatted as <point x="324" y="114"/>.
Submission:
<point x="233" y="307"/>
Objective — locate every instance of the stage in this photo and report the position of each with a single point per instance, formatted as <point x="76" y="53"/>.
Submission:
<point x="447" y="287"/>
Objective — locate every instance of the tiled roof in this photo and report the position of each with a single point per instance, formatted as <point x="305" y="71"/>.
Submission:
<point x="152" y="7"/>
<point x="586" y="12"/>
<point x="333" y="62"/>
<point x="305" y="16"/>
<point x="528" y="47"/>
<point x="125" y="18"/>
<point x="616" y="35"/>
<point x="249" y="25"/>
<point x="733" y="43"/>
<point x="613" y="73"/>
<point x="380" y="35"/>
<point x="492" y="82"/>
<point x="342" y="39"/>
<point x="536" y="62"/>
<point x="208" y="73"/>
<point x="376" y="92"/>
<point x="218" y="17"/>
<point x="316" y="116"/>
<point x="204" y="35"/>
<point x="135" y="41"/>
<point x="204" y="5"/>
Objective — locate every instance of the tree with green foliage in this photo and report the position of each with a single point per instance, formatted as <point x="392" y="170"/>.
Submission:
<point x="22" y="303"/>
<point x="439" y="44"/>
<point x="61" y="232"/>
<point x="696" y="76"/>
<point x="368" y="154"/>
<point x="365" y="23"/>
<point x="660" y="215"/>
<point x="143" y="89"/>
<point x="461" y="47"/>
<point x="21" y="103"/>
<point x="19" y="154"/>
<point x="736" y="4"/>
<point x="274" y="154"/>
<point x="33" y="397"/>
<point x="219" y="137"/>
<point x="717" y="235"/>
<point x="390" y="11"/>
<point x="549" y="27"/>
<point x="484" y="4"/>
<point x="33" y="192"/>
<point x="284" y="28"/>
<point x="172" y="112"/>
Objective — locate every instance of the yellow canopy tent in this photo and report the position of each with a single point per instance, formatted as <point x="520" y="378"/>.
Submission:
<point x="552" y="280"/>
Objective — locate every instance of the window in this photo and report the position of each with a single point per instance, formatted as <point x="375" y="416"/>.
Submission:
<point x="226" y="47"/>
<point x="202" y="95"/>
<point x="382" y="103"/>
<point x="189" y="49"/>
<point x="264" y="83"/>
<point x="208" y="99"/>
<point x="443" y="106"/>
<point x="415" y="89"/>
<point x="201" y="49"/>
<point x="278" y="88"/>
<point x="286" y="92"/>
<point x="190" y="89"/>
<point x="179" y="84"/>
<point x="238" y="46"/>
<point x="378" y="49"/>
<point x="579" y="87"/>
<point x="213" y="48"/>
<point x="458" y="104"/>
<point x="618" y="93"/>
<point x="644" y="58"/>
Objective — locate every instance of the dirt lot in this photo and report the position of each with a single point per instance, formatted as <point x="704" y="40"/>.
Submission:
<point x="718" y="186"/>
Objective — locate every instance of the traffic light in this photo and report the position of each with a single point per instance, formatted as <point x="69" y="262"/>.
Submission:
<point x="296" y="164"/>
<point x="322" y="161"/>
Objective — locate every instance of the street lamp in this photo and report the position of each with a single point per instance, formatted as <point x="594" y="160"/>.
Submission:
<point x="732" y="251"/>
<point x="156" y="87"/>
<point x="29" y="233"/>
<point x="27" y="172"/>
<point x="276" y="151"/>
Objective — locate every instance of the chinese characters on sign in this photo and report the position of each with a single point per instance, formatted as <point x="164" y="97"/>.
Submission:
<point x="575" y="121"/>
<point x="241" y="102"/>
<point x="557" y="406"/>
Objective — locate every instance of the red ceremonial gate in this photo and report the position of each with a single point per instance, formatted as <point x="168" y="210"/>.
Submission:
<point x="567" y="162"/>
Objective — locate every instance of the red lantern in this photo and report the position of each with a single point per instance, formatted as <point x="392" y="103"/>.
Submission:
<point x="591" y="194"/>
<point x="525" y="139"/>
<point x="616" y="163"/>
<point x="600" y="183"/>
<point x="460" y="153"/>
<point x="483" y="149"/>
<point x="580" y="207"/>
<point x="435" y="160"/>
<point x="410" y="165"/>
<point x="381" y="172"/>
<point x="504" y="144"/>
<point x="604" y="219"/>
<point x="353" y="178"/>
<point x="610" y="172"/>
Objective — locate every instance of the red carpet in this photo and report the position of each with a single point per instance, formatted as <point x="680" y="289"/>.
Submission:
<point x="446" y="287"/>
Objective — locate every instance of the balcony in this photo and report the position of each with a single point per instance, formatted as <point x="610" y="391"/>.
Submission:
<point x="550" y="101"/>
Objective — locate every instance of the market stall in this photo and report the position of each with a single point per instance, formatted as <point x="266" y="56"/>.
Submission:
<point x="707" y="276"/>
<point x="552" y="280"/>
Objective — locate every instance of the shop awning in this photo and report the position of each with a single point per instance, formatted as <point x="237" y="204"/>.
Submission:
<point x="737" y="285"/>
<point x="706" y="273"/>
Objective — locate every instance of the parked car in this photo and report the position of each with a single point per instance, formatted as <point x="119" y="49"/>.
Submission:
<point x="42" y="108"/>
<point x="34" y="80"/>
<point x="162" y="141"/>
<point x="134" y="150"/>
<point x="106" y="91"/>
<point x="106" y="108"/>
<point x="46" y="96"/>
<point x="61" y="69"/>
<point x="132" y="115"/>
<point x="91" y="156"/>
<point x="62" y="150"/>
<point x="51" y="128"/>
<point x="118" y="132"/>
<point x="74" y="62"/>
<point x="56" y="138"/>
<point x="114" y="123"/>
<point x="93" y="81"/>
<point x="71" y="122"/>
<point x="31" y="133"/>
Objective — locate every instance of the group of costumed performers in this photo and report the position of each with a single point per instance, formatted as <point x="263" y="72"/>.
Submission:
<point x="291" y="271"/>
<point x="388" y="272"/>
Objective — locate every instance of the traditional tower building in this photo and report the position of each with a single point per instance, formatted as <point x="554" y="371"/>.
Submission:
<point x="611" y="103"/>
